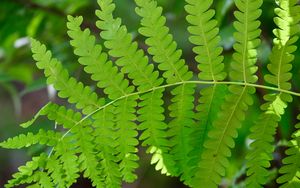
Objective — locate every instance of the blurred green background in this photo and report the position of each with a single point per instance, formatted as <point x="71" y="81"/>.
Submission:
<point x="23" y="90"/>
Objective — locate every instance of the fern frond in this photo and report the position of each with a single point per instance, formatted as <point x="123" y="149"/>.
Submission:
<point x="134" y="62"/>
<point x="115" y="86"/>
<point x="221" y="138"/>
<point x="208" y="109"/>
<point x="62" y="163"/>
<point x="96" y="62"/>
<point x="182" y="126"/>
<point x="119" y="42"/>
<point x="166" y="54"/>
<point x="153" y="127"/>
<point x="160" y="42"/>
<point x="55" y="170"/>
<point x="214" y="159"/>
<point x="73" y="153"/>
<point x="25" y="173"/>
<point x="280" y="67"/>
<point x="262" y="148"/>
<point x="281" y="57"/>
<point x="100" y="138"/>
<point x="43" y="179"/>
<point x="68" y="158"/>
<point x="126" y="137"/>
<point x="60" y="114"/>
<point x="68" y="87"/>
<point x="48" y="138"/>
<point x="83" y="140"/>
<point x="90" y="102"/>
<point x="41" y="112"/>
<point x="34" y="172"/>
<point x="65" y="170"/>
<point x="88" y="161"/>
<point x="290" y="170"/>
<point x="247" y="40"/>
<point x="66" y="149"/>
<point x="106" y="144"/>
<point x="204" y="35"/>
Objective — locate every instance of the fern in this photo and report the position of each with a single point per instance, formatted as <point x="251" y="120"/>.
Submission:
<point x="163" y="49"/>
<point x="135" y="63"/>
<point x="99" y="135"/>
<point x="286" y="36"/>
<point x="114" y="86"/>
<point x="290" y="171"/>
<point x="262" y="147"/>
<point x="25" y="174"/>
<point x="83" y="97"/>
<point x="204" y="34"/>
<point x="214" y="157"/>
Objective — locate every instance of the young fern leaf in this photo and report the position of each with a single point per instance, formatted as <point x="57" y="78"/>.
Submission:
<point x="55" y="170"/>
<point x="68" y="87"/>
<point x="120" y="45"/>
<point x="209" y="106"/>
<point x="96" y="61"/>
<point x="281" y="57"/>
<point x="84" y="142"/>
<point x="165" y="53"/>
<point x="87" y="160"/>
<point x="27" y="175"/>
<point x="48" y="138"/>
<point x="100" y="146"/>
<point x="221" y="138"/>
<point x="287" y="21"/>
<point x="115" y="86"/>
<point x="38" y="170"/>
<point x="105" y="140"/>
<point x="43" y="179"/>
<point x="135" y="63"/>
<point x="204" y="34"/>
<point x="63" y="149"/>
<point x="67" y="156"/>
<point x="103" y="120"/>
<point x="262" y="148"/>
<point x="247" y="40"/>
<point x="160" y="42"/>
<point x="290" y="170"/>
<point x="42" y="111"/>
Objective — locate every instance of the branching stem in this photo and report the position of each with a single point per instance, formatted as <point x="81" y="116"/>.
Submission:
<point x="176" y="84"/>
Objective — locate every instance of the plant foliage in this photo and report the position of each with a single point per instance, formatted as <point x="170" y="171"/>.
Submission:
<point x="188" y="138"/>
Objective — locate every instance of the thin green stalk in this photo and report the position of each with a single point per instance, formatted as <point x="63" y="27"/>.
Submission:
<point x="176" y="84"/>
